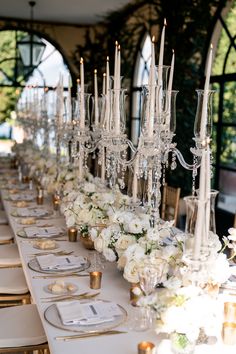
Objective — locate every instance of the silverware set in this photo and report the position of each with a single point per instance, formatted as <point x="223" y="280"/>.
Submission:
<point x="89" y="334"/>
<point x="58" y="253"/>
<point x="60" y="298"/>
<point x="51" y="276"/>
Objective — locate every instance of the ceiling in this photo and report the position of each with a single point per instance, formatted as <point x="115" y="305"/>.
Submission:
<point x="61" y="11"/>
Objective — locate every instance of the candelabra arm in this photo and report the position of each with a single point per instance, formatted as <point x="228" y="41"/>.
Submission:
<point x="180" y="157"/>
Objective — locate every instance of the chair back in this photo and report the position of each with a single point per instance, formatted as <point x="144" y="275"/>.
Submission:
<point x="170" y="203"/>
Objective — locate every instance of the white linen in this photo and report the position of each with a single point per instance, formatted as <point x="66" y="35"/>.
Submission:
<point x="17" y="197"/>
<point x="52" y="262"/>
<point x="89" y="313"/>
<point x="35" y="231"/>
<point x="31" y="212"/>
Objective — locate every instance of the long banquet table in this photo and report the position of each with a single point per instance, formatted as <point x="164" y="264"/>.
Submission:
<point x="114" y="288"/>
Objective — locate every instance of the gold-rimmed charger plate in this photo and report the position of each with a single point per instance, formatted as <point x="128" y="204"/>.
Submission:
<point x="22" y="233"/>
<point x="52" y="316"/>
<point x="34" y="265"/>
<point x="45" y="214"/>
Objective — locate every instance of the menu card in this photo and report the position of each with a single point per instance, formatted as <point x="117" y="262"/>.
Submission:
<point x="89" y="313"/>
<point x="52" y="262"/>
<point x="31" y="212"/>
<point x="18" y="197"/>
<point x="35" y="231"/>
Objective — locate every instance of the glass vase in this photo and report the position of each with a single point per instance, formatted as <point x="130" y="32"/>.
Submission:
<point x="83" y="110"/>
<point x="180" y="343"/>
<point x="117" y="113"/>
<point x="191" y="203"/>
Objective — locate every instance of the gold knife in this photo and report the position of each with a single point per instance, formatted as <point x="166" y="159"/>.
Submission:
<point x="87" y="335"/>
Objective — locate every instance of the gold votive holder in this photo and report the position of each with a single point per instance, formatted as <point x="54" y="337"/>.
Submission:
<point x="55" y="197"/>
<point x="72" y="234"/>
<point x="229" y="333"/>
<point x="25" y="179"/>
<point x="56" y="205"/>
<point x="135" y="293"/>
<point x="146" y="348"/>
<point x="39" y="199"/>
<point x="95" y="279"/>
<point x="230" y="312"/>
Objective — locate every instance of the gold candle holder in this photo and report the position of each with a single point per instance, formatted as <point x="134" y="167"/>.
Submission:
<point x="229" y="333"/>
<point x="135" y="293"/>
<point x="72" y="234"/>
<point x="95" y="280"/>
<point x="55" y="197"/>
<point x="39" y="198"/>
<point x="25" y="179"/>
<point x="230" y="312"/>
<point x="56" y="205"/>
<point x="146" y="348"/>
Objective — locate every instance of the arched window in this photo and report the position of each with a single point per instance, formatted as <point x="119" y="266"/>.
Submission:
<point x="14" y="77"/>
<point x="224" y="121"/>
<point x="140" y="78"/>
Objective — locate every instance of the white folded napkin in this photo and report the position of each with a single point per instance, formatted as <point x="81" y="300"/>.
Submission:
<point x="17" y="186"/>
<point x="52" y="262"/>
<point x="16" y="197"/>
<point x="89" y="313"/>
<point x="45" y="232"/>
<point x="31" y="212"/>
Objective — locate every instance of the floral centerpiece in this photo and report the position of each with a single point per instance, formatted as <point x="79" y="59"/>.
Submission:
<point x="184" y="313"/>
<point x="87" y="207"/>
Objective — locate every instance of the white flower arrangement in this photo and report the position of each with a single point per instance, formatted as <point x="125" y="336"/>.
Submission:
<point x="186" y="311"/>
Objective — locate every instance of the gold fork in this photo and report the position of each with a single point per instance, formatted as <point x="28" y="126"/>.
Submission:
<point x="60" y="276"/>
<point x="72" y="297"/>
<point x="58" y="253"/>
<point x="86" y="335"/>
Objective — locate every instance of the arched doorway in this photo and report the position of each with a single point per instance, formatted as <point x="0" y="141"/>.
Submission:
<point x="15" y="78"/>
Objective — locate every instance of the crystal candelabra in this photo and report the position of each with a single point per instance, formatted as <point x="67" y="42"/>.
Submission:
<point x="153" y="150"/>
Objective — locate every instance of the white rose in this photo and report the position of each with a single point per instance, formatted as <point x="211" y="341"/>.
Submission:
<point x="124" y="242"/>
<point x="99" y="244"/>
<point x="131" y="271"/>
<point x="121" y="262"/>
<point x="109" y="254"/>
<point x="70" y="220"/>
<point x="89" y="188"/>
<point x="134" y="226"/>
<point x="93" y="233"/>
<point x="232" y="234"/>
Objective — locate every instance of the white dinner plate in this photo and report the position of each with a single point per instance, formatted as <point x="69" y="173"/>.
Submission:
<point x="46" y="213"/>
<point x="22" y="233"/>
<point x="52" y="316"/>
<point x="34" y="265"/>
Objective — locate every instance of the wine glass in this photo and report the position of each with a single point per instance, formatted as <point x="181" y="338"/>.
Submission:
<point x="150" y="275"/>
<point x="148" y="278"/>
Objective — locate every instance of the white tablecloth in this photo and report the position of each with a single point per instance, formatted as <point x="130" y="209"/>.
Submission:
<point x="114" y="288"/>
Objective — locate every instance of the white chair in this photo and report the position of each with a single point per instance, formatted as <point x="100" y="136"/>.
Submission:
<point x="6" y="234"/>
<point x="13" y="287"/>
<point x="21" y="330"/>
<point x="9" y="256"/>
<point x="3" y="218"/>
